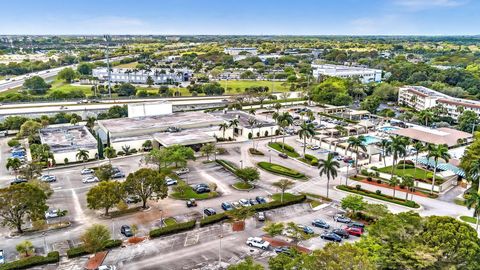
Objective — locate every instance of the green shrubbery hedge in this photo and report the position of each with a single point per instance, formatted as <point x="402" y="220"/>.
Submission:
<point x="213" y="219"/>
<point x="227" y="165"/>
<point x="309" y="159"/>
<point x="255" y="152"/>
<point x="284" y="148"/>
<point x="359" y="190"/>
<point x="279" y="169"/>
<point x="80" y="250"/>
<point x="179" y="227"/>
<point x="52" y="257"/>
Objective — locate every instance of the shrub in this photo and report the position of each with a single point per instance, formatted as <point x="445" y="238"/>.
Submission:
<point x="364" y="172"/>
<point x="52" y="257"/>
<point x="279" y="169"/>
<point x="358" y="187"/>
<point x="407" y="162"/>
<point x="314" y="162"/>
<point x="120" y="153"/>
<point x="227" y="165"/>
<point x="65" y="160"/>
<point x="256" y="152"/>
<point x="285" y="148"/>
<point x="377" y="174"/>
<point x="80" y="250"/>
<point x="374" y="168"/>
<point x="383" y="197"/>
<point x="179" y="227"/>
<point x="133" y="151"/>
<point x="369" y="179"/>
<point x="405" y="166"/>
<point x="379" y="181"/>
<point x="213" y="219"/>
<point x="13" y="143"/>
<point x="378" y="192"/>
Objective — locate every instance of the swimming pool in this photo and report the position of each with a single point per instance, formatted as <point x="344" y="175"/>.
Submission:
<point x="388" y="128"/>
<point x="371" y="139"/>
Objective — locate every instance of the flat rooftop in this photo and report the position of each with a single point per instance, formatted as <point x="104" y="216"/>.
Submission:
<point x="67" y="138"/>
<point x="446" y="136"/>
<point x="187" y="137"/>
<point x="137" y="126"/>
<point x="243" y="118"/>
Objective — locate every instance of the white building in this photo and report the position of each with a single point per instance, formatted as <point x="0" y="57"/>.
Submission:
<point x="365" y="75"/>
<point x="238" y="50"/>
<point x="149" y="109"/>
<point x="159" y="76"/>
<point x="421" y="98"/>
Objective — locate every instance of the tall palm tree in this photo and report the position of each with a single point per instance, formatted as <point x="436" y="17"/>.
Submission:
<point x="393" y="183"/>
<point x="82" y="155"/>
<point x="233" y="123"/>
<point x="473" y="173"/>
<point x="385" y="146"/>
<point x="473" y="201"/>
<point x="283" y="185"/>
<point x="13" y="164"/>
<point x="409" y="183"/>
<point x="438" y="152"/>
<point x="356" y="143"/>
<point x="419" y="147"/>
<point x="306" y="131"/>
<point x="426" y="116"/>
<point x="284" y="120"/>
<point x="91" y="122"/>
<point x="252" y="122"/>
<point x="223" y="128"/>
<point x="397" y="149"/>
<point x="406" y="142"/>
<point x="328" y="167"/>
<point x="109" y="153"/>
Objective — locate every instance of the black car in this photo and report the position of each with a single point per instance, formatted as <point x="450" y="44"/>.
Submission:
<point x="118" y="175"/>
<point x="191" y="203"/>
<point x="282" y="155"/>
<point x="260" y="199"/>
<point x="342" y="233"/>
<point x="320" y="223"/>
<point x="252" y="201"/>
<point x="331" y="237"/>
<point x="209" y="211"/>
<point x="17" y="181"/>
<point x="126" y="230"/>
<point x="201" y="190"/>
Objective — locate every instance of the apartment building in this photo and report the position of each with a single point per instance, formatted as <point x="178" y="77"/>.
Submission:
<point x="365" y="75"/>
<point x="159" y="76"/>
<point x="422" y="98"/>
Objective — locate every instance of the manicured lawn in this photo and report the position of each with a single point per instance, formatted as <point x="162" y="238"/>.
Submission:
<point x="286" y="196"/>
<point x="231" y="86"/>
<point x="243" y="185"/>
<point x="191" y="194"/>
<point x="281" y="170"/>
<point x="288" y="150"/>
<point x="382" y="197"/>
<point x="127" y="65"/>
<point x="169" y="221"/>
<point x="469" y="219"/>
<point x="420" y="174"/>
<point x="315" y="203"/>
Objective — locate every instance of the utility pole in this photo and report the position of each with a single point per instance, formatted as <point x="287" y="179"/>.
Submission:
<point x="107" y="40"/>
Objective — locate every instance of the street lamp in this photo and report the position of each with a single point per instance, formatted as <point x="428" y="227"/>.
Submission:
<point x="45" y="242"/>
<point x="241" y="164"/>
<point x="346" y="176"/>
<point x="220" y="244"/>
<point x="270" y="155"/>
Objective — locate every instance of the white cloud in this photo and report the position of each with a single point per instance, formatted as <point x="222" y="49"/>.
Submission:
<point x="382" y="25"/>
<point x="427" y="4"/>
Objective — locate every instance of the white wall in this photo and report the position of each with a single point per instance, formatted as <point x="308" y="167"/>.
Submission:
<point x="149" y="109"/>
<point x="135" y="144"/>
<point x="60" y="157"/>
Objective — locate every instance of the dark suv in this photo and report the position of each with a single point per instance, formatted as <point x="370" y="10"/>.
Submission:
<point x="209" y="211"/>
<point x="126" y="230"/>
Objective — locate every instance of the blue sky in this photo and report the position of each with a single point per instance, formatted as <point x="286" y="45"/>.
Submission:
<point x="256" y="17"/>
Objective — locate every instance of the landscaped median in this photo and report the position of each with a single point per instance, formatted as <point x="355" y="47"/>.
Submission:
<point x="379" y="196"/>
<point x="80" y="250"/>
<point x="284" y="148"/>
<point x="52" y="257"/>
<point x="281" y="170"/>
<point x="309" y="160"/>
<point x="182" y="191"/>
<point x="171" y="229"/>
<point x="468" y="219"/>
<point x="243" y="174"/>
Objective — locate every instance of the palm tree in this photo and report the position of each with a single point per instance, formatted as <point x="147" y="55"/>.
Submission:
<point x="277" y="107"/>
<point x="438" y="152"/>
<point x="283" y="185"/>
<point x="223" y="128"/>
<point x="473" y="201"/>
<point x="328" y="167"/>
<point x="396" y="148"/>
<point x="419" y="147"/>
<point x="91" y="122"/>
<point x="14" y="164"/>
<point x="409" y="183"/>
<point x="284" y="120"/>
<point x="233" y="123"/>
<point x="306" y="131"/>
<point x="74" y="121"/>
<point x="385" y="146"/>
<point x="473" y="174"/>
<point x="426" y="116"/>
<point x="406" y="142"/>
<point x="356" y="143"/>
<point x="126" y="150"/>
<point x="82" y="155"/>
<point x="393" y="183"/>
<point x="252" y="122"/>
<point x="109" y="153"/>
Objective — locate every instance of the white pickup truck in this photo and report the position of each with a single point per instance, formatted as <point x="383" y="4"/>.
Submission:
<point x="258" y="243"/>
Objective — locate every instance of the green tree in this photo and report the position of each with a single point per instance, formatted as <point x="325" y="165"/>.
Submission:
<point x="437" y="152"/>
<point x="473" y="201"/>
<point x="13" y="164"/>
<point x="110" y="153"/>
<point x="385" y="146"/>
<point x="105" y="195"/>
<point x="147" y="145"/>
<point x="306" y="131"/>
<point x="30" y="170"/>
<point x="95" y="238"/>
<point x="418" y="147"/>
<point x="468" y="121"/>
<point x="397" y="148"/>
<point x="426" y="116"/>
<point x="85" y="68"/>
<point x="248" y="174"/>
<point x="36" y="85"/>
<point x="180" y="154"/>
<point x="29" y="128"/>
<point x="82" y="155"/>
<point x="223" y="127"/>
<point x="334" y="256"/>
<point x="146" y="184"/>
<point x="393" y="183"/>
<point x="409" y="183"/>
<point x="273" y="229"/>
<point x="247" y="264"/>
<point x="19" y="203"/>
<point x="208" y="149"/>
<point x="150" y="81"/>
<point x="370" y="104"/>
<point x="126" y="89"/>
<point x="354" y="203"/>
<point x="104" y="172"/>
<point x="357" y="143"/>
<point x="67" y="74"/>
<point x="25" y="247"/>
<point x="100" y="149"/>
<point x="159" y="157"/>
<point x="283" y="185"/>
<point x="284" y="120"/>
<point x="328" y="167"/>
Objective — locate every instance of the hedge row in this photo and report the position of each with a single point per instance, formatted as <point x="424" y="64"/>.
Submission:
<point x="52" y="257"/>
<point x="380" y="196"/>
<point x="255" y="152"/>
<point x="80" y="250"/>
<point x="227" y="165"/>
<point x="279" y="169"/>
<point x="309" y="159"/>
<point x="258" y="208"/>
<point x="179" y="227"/>
<point x="284" y="148"/>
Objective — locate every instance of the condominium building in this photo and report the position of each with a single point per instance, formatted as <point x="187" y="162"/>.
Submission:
<point x="159" y="76"/>
<point x="238" y="50"/>
<point x="365" y="75"/>
<point x="421" y="98"/>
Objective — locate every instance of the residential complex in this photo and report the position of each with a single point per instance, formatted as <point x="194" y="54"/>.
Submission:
<point x="421" y="98"/>
<point x="239" y="50"/>
<point x="365" y="75"/>
<point x="159" y="76"/>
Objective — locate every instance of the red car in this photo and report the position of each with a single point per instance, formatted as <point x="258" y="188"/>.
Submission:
<point x="354" y="231"/>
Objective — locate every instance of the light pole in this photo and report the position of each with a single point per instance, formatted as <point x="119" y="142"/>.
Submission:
<point x="220" y="244"/>
<point x="45" y="242"/>
<point x="270" y="155"/>
<point x="241" y="164"/>
<point x="346" y="176"/>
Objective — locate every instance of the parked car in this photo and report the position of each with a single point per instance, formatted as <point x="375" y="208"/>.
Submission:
<point x="209" y="211"/>
<point x="86" y="171"/>
<point x="282" y="155"/>
<point x="341" y="218"/>
<point x="354" y="231"/>
<point x="90" y="179"/>
<point x="261" y="216"/>
<point x="2" y="257"/>
<point x="227" y="206"/>
<point x="126" y="231"/>
<point x="320" y="223"/>
<point x="17" y="181"/>
<point x="282" y="250"/>
<point x="258" y="243"/>
<point x="244" y="202"/>
<point x="170" y="181"/>
<point x="252" y="201"/>
<point x="132" y="199"/>
<point x="202" y="189"/>
<point x="358" y="225"/>
<point x="260" y="199"/>
<point x="306" y="229"/>
<point x="315" y="147"/>
<point x="118" y="175"/>
<point x="236" y="205"/>
<point x="191" y="203"/>
<point x="342" y="233"/>
<point x="52" y="213"/>
<point x="107" y="267"/>
<point x="182" y="171"/>
<point x="330" y="236"/>
<point x="48" y="178"/>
